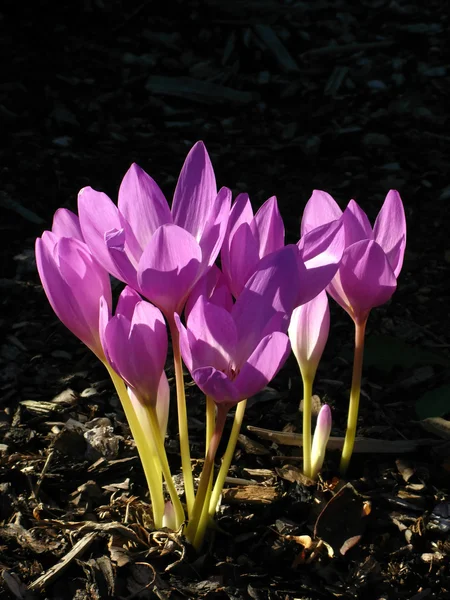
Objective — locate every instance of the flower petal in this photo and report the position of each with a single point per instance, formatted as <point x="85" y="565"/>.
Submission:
<point x="125" y="270"/>
<point x="267" y="300"/>
<point x="127" y="302"/>
<point x="356" y="224"/>
<point x="215" y="336"/>
<point x="243" y="258"/>
<point x="214" y="232"/>
<point x="195" y="192"/>
<point x="98" y="215"/>
<point x="241" y="212"/>
<point x="67" y="224"/>
<point x="321" y="208"/>
<point x="268" y="228"/>
<point x="308" y="333"/>
<point x="366" y="276"/>
<point x="390" y="230"/>
<point x="263" y="364"/>
<point x="142" y="204"/>
<point x="216" y="384"/>
<point x="214" y="287"/>
<point x="321" y="252"/>
<point x="169" y="268"/>
<point x="74" y="283"/>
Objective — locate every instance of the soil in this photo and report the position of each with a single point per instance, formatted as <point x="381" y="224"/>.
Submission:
<point x="349" y="97"/>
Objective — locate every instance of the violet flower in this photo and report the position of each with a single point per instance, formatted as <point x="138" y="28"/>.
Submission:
<point x="308" y="333"/>
<point x="135" y="344"/>
<point x="248" y="239"/>
<point x="372" y="259"/>
<point x="74" y="282"/>
<point x="158" y="251"/>
<point x="367" y="276"/>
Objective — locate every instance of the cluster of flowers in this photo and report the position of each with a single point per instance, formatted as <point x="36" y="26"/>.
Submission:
<point x="232" y="327"/>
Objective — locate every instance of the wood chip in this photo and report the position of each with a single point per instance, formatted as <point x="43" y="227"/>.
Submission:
<point x="362" y="445"/>
<point x="57" y="570"/>
<point x="251" y="494"/>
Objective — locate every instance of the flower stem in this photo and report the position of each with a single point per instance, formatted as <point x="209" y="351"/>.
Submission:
<point x="142" y="437"/>
<point x="227" y="458"/>
<point x="210" y="419"/>
<point x="352" y="419"/>
<point x="307" y="444"/>
<point x="159" y="445"/>
<point x="182" y="419"/>
<point x="202" y="491"/>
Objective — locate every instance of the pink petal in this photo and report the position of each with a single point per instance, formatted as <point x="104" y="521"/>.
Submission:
<point x="390" y="230"/>
<point x="264" y="363"/>
<point x="98" y="215"/>
<point x="320" y="209"/>
<point x="67" y="224"/>
<point x="268" y="228"/>
<point x="308" y="333"/>
<point x="243" y="259"/>
<point x="169" y="268"/>
<point x="124" y="268"/>
<point x="366" y="276"/>
<point x="127" y="302"/>
<point x="213" y="286"/>
<point x="74" y="283"/>
<point x="214" y="232"/>
<point x="195" y="192"/>
<point x="267" y="300"/>
<point x="138" y="349"/>
<point x="216" y="384"/>
<point x="215" y="335"/>
<point x="321" y="252"/>
<point x="357" y="225"/>
<point x="142" y="204"/>
<point x="241" y="212"/>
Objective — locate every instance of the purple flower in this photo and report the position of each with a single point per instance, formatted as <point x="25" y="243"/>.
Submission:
<point x="213" y="287"/>
<point x="158" y="251"/>
<point x="248" y="239"/>
<point x="308" y="333"/>
<point x="135" y="344"/>
<point x="372" y="259"/>
<point x="320" y="439"/>
<point x="231" y="355"/>
<point x="74" y="283"/>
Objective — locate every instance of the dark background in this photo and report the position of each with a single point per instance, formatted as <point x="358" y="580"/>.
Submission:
<point x="349" y="97"/>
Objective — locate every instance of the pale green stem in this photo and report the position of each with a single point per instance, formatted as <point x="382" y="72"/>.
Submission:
<point x="307" y="443"/>
<point x="159" y="445"/>
<point x="182" y="419"/>
<point x="142" y="437"/>
<point x="227" y="458"/>
<point x="210" y="419"/>
<point x="352" y="419"/>
<point x="210" y="424"/>
<point x="202" y="491"/>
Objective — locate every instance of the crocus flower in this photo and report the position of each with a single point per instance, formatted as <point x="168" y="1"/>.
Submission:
<point x="74" y="283"/>
<point x="248" y="239"/>
<point x="213" y="286"/>
<point x="373" y="258"/>
<point x="308" y="333"/>
<point x="233" y="354"/>
<point x="320" y="440"/>
<point x="135" y="344"/>
<point x="159" y="251"/>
